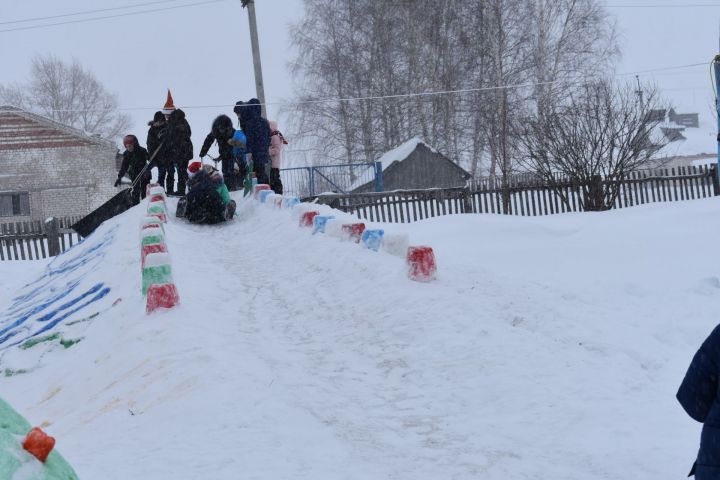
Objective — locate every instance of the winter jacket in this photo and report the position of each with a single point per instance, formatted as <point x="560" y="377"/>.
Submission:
<point x="133" y="162"/>
<point x="239" y="144"/>
<point x="204" y="203"/>
<point x="222" y="130"/>
<point x="176" y="138"/>
<point x="276" y="145"/>
<point x="157" y="125"/>
<point x="257" y="132"/>
<point x="698" y="395"/>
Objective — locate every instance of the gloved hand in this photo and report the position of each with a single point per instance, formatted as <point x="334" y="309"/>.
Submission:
<point x="117" y="182"/>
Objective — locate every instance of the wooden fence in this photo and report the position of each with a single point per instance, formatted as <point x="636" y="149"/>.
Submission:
<point x="527" y="196"/>
<point x="35" y="239"/>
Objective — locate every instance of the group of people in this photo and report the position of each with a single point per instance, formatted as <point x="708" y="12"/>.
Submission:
<point x="256" y="144"/>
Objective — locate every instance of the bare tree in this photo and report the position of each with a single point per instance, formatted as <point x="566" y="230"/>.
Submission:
<point x="594" y="142"/>
<point x="402" y="48"/>
<point x="69" y="94"/>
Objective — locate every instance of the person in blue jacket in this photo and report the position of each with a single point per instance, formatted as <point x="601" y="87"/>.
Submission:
<point x="257" y="131"/>
<point x="698" y="395"/>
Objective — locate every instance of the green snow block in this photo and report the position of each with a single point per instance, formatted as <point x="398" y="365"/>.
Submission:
<point x="155" y="274"/>
<point x="156" y="209"/>
<point x="34" y="341"/>
<point x="15" y="462"/>
<point x="10" y="373"/>
<point x="150" y="239"/>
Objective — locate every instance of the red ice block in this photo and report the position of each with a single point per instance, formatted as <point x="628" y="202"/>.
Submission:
<point x="353" y="231"/>
<point x="307" y="218"/>
<point x="160" y="216"/>
<point x="152" y="248"/>
<point x="164" y="295"/>
<point x="157" y="198"/>
<point x="151" y="225"/>
<point x="39" y="444"/>
<point x="421" y="263"/>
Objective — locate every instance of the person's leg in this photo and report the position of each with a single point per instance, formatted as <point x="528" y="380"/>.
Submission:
<point x="261" y="174"/>
<point x="228" y="173"/>
<point x="275" y="182"/>
<point x="182" y="178"/>
<point x="162" y="172"/>
<point x="170" y="180"/>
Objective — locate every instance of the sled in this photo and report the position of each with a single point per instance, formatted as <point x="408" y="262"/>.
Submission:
<point x="115" y="206"/>
<point x="228" y="214"/>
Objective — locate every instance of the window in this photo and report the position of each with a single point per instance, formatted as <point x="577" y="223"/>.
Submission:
<point x="14" y="204"/>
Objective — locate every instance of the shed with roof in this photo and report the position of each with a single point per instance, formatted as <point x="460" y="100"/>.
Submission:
<point x="416" y="165"/>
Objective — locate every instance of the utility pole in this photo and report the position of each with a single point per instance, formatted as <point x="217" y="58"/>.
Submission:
<point x="260" y="89"/>
<point x="639" y="91"/>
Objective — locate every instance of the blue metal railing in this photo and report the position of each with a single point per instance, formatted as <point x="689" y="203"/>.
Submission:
<point x="311" y="181"/>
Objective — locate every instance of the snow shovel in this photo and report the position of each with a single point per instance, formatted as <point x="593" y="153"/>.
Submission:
<point x="115" y="206"/>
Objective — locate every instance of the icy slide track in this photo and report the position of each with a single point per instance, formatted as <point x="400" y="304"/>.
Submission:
<point x="547" y="348"/>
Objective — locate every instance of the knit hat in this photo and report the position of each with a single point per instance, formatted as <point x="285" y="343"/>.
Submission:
<point x="194" y="168"/>
<point x="129" y="140"/>
<point x="169" y="105"/>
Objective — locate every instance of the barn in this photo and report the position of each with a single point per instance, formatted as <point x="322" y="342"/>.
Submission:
<point x="416" y="165"/>
<point x="51" y="170"/>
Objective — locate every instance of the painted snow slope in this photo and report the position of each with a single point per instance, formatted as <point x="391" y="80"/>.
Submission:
<point x="547" y="348"/>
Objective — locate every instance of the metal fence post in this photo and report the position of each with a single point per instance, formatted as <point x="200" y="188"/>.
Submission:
<point x="52" y="231"/>
<point x="379" y="187"/>
<point x="312" y="181"/>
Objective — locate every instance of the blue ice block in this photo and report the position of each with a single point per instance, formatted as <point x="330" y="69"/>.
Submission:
<point x="264" y="194"/>
<point x="319" y="223"/>
<point x="372" y="239"/>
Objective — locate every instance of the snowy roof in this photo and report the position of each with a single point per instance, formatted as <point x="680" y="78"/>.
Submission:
<point x="402" y="152"/>
<point x="698" y="141"/>
<point x="20" y="130"/>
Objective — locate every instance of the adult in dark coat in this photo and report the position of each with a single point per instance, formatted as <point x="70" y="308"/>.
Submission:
<point x="221" y="131"/>
<point x="257" y="131"/>
<point x="166" y="170"/>
<point x="698" y="395"/>
<point x="178" y="145"/>
<point x="134" y="160"/>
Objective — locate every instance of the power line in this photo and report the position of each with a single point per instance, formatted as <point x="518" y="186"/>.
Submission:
<point x="109" y="16"/>
<point x="404" y="95"/>
<point x="87" y="12"/>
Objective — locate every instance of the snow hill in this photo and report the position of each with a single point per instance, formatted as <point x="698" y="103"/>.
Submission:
<point x="548" y="347"/>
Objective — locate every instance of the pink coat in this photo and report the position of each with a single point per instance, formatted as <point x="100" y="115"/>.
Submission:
<point x="276" y="146"/>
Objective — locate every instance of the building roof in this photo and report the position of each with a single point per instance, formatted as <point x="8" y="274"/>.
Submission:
<point x="392" y="158"/>
<point x="20" y="130"/>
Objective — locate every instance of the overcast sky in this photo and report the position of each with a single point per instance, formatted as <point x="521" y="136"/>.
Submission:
<point x="203" y="53"/>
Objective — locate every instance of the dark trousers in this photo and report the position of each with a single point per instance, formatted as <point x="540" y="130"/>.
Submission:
<point x="182" y="177"/>
<point x="138" y="191"/>
<point x="261" y="173"/>
<point x="231" y="177"/>
<point x="167" y="174"/>
<point x="275" y="182"/>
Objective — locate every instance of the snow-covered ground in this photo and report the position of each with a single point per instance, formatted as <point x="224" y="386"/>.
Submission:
<point x="548" y="348"/>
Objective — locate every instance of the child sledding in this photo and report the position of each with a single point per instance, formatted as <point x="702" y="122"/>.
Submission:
<point x="208" y="201"/>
